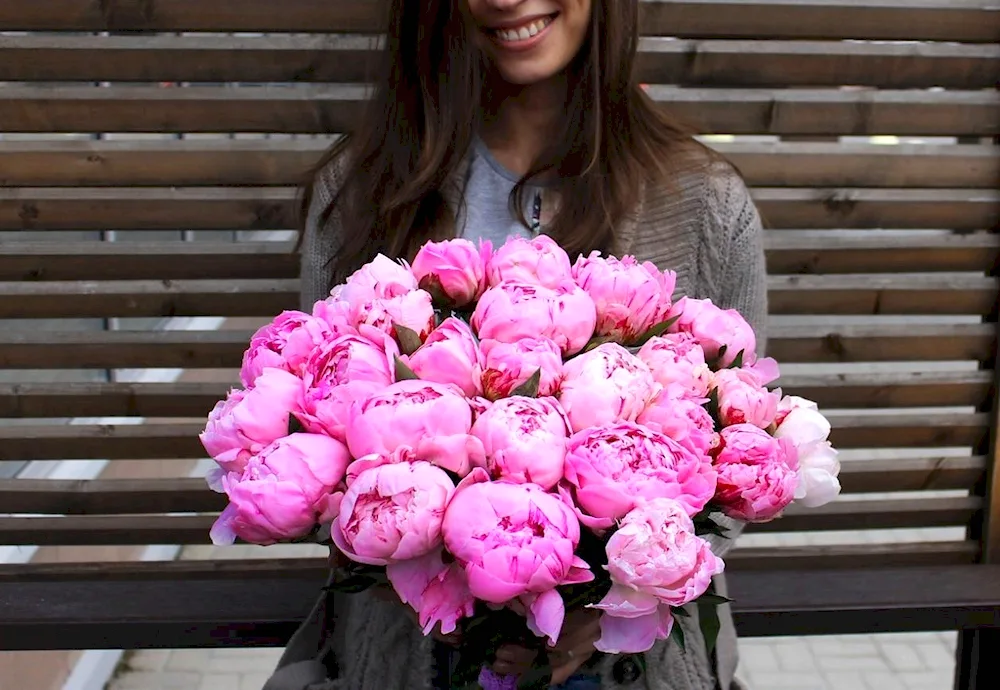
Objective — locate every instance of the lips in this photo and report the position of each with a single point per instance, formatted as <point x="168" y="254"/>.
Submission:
<point x="522" y="32"/>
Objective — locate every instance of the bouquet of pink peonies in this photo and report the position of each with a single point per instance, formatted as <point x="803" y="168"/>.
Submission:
<point x="501" y="435"/>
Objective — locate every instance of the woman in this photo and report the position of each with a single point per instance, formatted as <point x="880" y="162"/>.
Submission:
<point x="500" y="117"/>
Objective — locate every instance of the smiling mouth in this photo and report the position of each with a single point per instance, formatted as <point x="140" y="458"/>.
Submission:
<point x="523" y="33"/>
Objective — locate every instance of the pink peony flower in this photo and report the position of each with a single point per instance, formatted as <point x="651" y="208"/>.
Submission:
<point x="414" y="310"/>
<point x="808" y="430"/>
<point x="283" y="492"/>
<point x="247" y="421"/>
<point x="512" y="311"/>
<point x="285" y="343"/>
<point x="631" y="297"/>
<point x="433" y="419"/>
<point x="515" y="541"/>
<point x="742" y="400"/>
<point x="524" y="440"/>
<point x="450" y="355"/>
<point x="684" y="420"/>
<point x="655" y="561"/>
<point x="392" y="511"/>
<point x="454" y="271"/>
<point x="437" y="591"/>
<point x="380" y="279"/>
<point x="508" y="365"/>
<point x="723" y="333"/>
<point x="676" y="359"/>
<point x="609" y="469"/>
<point x="539" y="261"/>
<point x="757" y="473"/>
<point x="340" y="372"/>
<point x="605" y="385"/>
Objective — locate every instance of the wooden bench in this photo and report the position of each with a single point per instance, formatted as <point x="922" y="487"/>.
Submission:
<point x="883" y="292"/>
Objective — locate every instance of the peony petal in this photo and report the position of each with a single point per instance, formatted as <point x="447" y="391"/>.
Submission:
<point x="222" y="532"/>
<point x="631" y="635"/>
<point x="623" y="602"/>
<point x="545" y="614"/>
<point x="410" y="577"/>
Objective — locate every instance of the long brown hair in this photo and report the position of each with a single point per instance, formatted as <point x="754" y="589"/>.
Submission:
<point x="421" y="121"/>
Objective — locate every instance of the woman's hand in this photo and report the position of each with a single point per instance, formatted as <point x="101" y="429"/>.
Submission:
<point x="582" y="629"/>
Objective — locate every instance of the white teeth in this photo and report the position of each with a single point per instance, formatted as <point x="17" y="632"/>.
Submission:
<point x="523" y="33"/>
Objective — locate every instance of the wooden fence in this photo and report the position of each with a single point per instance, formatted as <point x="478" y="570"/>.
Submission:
<point x="883" y="287"/>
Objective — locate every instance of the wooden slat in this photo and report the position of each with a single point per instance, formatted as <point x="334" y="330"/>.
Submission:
<point x="94" y="530"/>
<point x="93" y="299"/>
<point x="180" y="440"/>
<point x="51" y="261"/>
<point x="347" y="58"/>
<point x="130" y="496"/>
<point x="843" y="557"/>
<point x="906" y="389"/>
<point x="188" y="163"/>
<point x="224" y="349"/>
<point x="275" y="208"/>
<point x="862" y="252"/>
<point x="953" y="209"/>
<point x="330" y="109"/>
<point x="882" y="294"/>
<point x="930" y="20"/>
<point x="263" y="604"/>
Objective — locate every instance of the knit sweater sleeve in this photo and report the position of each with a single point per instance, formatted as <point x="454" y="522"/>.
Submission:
<point x="320" y="242"/>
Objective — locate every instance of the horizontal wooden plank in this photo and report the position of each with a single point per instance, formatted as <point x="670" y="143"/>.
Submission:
<point x="95" y="299"/>
<point x="180" y="439"/>
<point x="262" y="162"/>
<point x="844" y="557"/>
<point x="191" y="495"/>
<point x="928" y="20"/>
<point x="354" y="58"/>
<point x="334" y="108"/>
<point x="262" y="604"/>
<point x="906" y="389"/>
<point x="51" y="261"/>
<point x="224" y="349"/>
<point x="275" y="208"/>
<point x="93" y="530"/>
<point x="883" y="294"/>
<point x="791" y="251"/>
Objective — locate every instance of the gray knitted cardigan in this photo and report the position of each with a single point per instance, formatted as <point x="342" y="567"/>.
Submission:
<point x="705" y="227"/>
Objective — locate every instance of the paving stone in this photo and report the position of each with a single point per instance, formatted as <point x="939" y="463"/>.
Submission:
<point x="902" y="657"/>
<point x="189" y="660"/>
<point x="845" y="680"/>
<point x="253" y="681"/>
<point x="147" y="659"/>
<point x="220" y="681"/>
<point x="884" y="680"/>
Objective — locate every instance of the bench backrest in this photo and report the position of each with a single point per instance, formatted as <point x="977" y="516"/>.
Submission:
<point x="147" y="169"/>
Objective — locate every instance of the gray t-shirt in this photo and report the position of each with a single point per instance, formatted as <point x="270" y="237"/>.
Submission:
<point x="487" y="213"/>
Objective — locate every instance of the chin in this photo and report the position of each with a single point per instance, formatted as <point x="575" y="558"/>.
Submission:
<point x="526" y="75"/>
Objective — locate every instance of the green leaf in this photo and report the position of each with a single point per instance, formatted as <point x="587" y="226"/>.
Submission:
<point x="713" y="599"/>
<point x="294" y="425"/>
<point x="403" y="372"/>
<point x="409" y="339"/>
<point x="529" y="389"/>
<point x="738" y="362"/>
<point x="677" y="635"/>
<point x="432" y="285"/>
<point x="597" y="341"/>
<point x="711" y="527"/>
<point x="679" y="611"/>
<point x="708" y="620"/>
<point x="657" y="330"/>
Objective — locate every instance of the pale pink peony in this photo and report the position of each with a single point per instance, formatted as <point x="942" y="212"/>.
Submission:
<point x="516" y="541"/>
<point x="283" y="492"/>
<point x="656" y="562"/>
<point x="757" y="473"/>
<point x="723" y="333"/>
<point x="453" y="271"/>
<point x="437" y="591"/>
<point x="683" y="419"/>
<point x="808" y="430"/>
<point x="433" y="419"/>
<point x="285" y="343"/>
<point x="392" y="512"/>
<point x="450" y="355"/>
<point x="379" y="279"/>
<point x="609" y="469"/>
<point x="605" y="385"/>
<point x="676" y="359"/>
<point x="743" y="400"/>
<point x="524" y="440"/>
<point x="413" y="310"/>
<point x="512" y="311"/>
<point x="247" y="421"/>
<point x="340" y="372"/>
<point x="631" y="297"/>
<point x="508" y="365"/>
<point x="335" y="313"/>
<point x="538" y="261"/>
